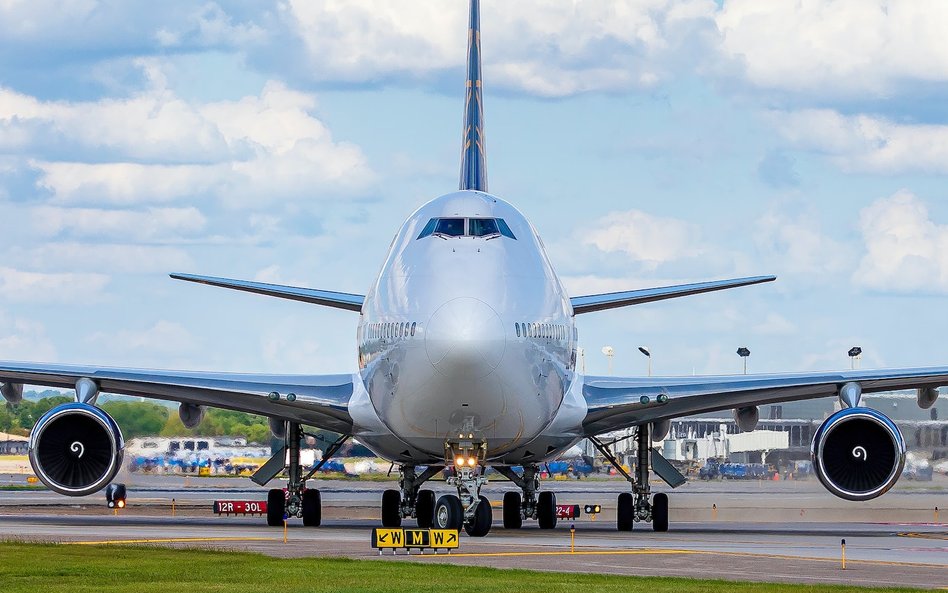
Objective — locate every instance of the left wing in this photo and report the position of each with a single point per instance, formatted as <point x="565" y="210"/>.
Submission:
<point x="614" y="403"/>
<point x="320" y="400"/>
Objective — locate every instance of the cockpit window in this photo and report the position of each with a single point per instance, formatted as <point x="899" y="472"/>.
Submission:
<point x="481" y="227"/>
<point x="470" y="227"/>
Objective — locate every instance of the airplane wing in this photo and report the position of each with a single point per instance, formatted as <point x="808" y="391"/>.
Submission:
<point x="320" y="400"/>
<point x="612" y="300"/>
<point x="614" y="403"/>
<point x="327" y="298"/>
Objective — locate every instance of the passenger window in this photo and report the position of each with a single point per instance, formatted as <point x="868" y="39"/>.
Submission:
<point x="481" y="227"/>
<point x="413" y="329"/>
<point x="517" y="327"/>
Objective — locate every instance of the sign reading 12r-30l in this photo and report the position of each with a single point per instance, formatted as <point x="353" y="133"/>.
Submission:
<point x="438" y="539"/>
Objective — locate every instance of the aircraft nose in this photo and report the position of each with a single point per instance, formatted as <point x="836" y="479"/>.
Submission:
<point x="465" y="339"/>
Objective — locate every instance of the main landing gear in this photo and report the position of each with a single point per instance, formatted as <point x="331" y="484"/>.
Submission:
<point x="533" y="504"/>
<point x="635" y="506"/>
<point x="296" y="500"/>
<point x="409" y="500"/>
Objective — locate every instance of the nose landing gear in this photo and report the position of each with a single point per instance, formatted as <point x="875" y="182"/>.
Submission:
<point x="468" y="508"/>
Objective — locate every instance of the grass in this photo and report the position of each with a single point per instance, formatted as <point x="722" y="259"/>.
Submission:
<point x="21" y="487"/>
<point x="28" y="568"/>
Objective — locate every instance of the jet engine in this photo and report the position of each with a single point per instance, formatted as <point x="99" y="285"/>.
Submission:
<point x="76" y="449"/>
<point x="858" y="453"/>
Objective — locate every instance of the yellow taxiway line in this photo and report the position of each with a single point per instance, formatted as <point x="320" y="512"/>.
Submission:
<point x="167" y="540"/>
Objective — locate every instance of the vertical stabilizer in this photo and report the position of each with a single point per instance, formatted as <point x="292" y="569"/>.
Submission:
<point x="473" y="152"/>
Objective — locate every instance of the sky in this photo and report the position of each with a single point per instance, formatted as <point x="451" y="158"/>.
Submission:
<point x="650" y="142"/>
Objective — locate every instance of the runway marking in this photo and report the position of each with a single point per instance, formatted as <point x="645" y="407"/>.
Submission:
<point x="167" y="540"/>
<point x="659" y="551"/>
<point x="926" y="535"/>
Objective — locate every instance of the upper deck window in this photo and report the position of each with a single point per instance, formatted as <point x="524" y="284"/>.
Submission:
<point x="466" y="227"/>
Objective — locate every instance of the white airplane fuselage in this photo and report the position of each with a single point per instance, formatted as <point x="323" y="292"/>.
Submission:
<point x="465" y="334"/>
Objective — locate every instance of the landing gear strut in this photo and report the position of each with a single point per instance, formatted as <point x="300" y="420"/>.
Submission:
<point x="534" y="504"/>
<point x="468" y="508"/>
<point x="409" y="500"/>
<point x="636" y="506"/>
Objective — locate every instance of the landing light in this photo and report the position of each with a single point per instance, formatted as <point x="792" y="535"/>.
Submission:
<point x="472" y="461"/>
<point x="459" y="461"/>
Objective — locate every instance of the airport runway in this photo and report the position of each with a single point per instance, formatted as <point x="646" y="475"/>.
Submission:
<point x="758" y="531"/>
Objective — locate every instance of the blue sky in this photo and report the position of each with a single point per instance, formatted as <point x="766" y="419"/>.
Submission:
<point x="650" y="142"/>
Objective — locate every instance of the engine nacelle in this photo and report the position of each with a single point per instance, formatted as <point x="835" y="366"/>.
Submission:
<point x="191" y="415"/>
<point x="747" y="418"/>
<point x="76" y="449"/>
<point x="858" y="453"/>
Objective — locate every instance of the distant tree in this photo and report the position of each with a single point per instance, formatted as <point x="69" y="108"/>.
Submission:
<point x="137" y="418"/>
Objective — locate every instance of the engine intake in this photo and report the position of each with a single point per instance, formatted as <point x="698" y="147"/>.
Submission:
<point x="858" y="453"/>
<point x="76" y="449"/>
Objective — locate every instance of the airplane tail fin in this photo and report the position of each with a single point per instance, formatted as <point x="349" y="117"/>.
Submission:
<point x="473" y="150"/>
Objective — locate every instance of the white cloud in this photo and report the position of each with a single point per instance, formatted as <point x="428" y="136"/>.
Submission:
<point x="791" y="241"/>
<point x="135" y="225"/>
<point x="155" y="147"/>
<point x="162" y="338"/>
<point x="865" y="142"/>
<point x="99" y="258"/>
<point x="649" y="239"/>
<point x="837" y="47"/>
<point x="906" y="252"/>
<point x="775" y="324"/>
<point x="542" y="48"/>
<point x="33" y="287"/>
<point x="23" y="339"/>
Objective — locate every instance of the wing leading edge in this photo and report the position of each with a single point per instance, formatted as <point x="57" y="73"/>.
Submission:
<point x="615" y="403"/>
<point x="327" y="298"/>
<point x="320" y="400"/>
<point x="612" y="300"/>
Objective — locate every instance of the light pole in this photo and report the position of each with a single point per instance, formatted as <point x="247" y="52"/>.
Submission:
<point x="644" y="350"/>
<point x="855" y="353"/>
<point x="609" y="351"/>
<point x="743" y="352"/>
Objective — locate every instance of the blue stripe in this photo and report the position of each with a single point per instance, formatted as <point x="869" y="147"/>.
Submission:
<point x="473" y="148"/>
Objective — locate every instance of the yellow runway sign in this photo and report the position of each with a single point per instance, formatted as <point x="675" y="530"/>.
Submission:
<point x="392" y="539"/>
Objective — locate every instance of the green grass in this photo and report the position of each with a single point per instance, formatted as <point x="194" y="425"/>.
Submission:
<point x="47" y="568"/>
<point x="20" y="487"/>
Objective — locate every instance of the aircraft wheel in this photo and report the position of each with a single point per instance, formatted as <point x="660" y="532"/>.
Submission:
<point x="312" y="508"/>
<point x="512" y="517"/>
<point x="391" y="508"/>
<point x="448" y="514"/>
<point x="276" y="507"/>
<point x="483" y="517"/>
<point x="546" y="510"/>
<point x="625" y="512"/>
<point x="424" y="508"/>
<point x="660" y="512"/>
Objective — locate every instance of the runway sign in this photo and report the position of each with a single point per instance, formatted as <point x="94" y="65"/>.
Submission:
<point x="239" y="507"/>
<point x="567" y="511"/>
<point x="392" y="539"/>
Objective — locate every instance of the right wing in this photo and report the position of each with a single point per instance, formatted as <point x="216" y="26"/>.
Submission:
<point x="320" y="400"/>
<point x="601" y="302"/>
<point x="327" y="298"/>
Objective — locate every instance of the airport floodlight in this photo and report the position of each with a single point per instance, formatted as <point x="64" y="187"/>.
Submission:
<point x="743" y="352"/>
<point x="610" y="352"/>
<point x="648" y="354"/>
<point x="854" y="353"/>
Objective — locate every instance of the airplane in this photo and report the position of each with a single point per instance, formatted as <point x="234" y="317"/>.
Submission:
<point x="467" y="359"/>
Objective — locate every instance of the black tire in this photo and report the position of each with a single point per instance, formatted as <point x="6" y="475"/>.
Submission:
<point x="276" y="507"/>
<point x="512" y="517"/>
<point x="546" y="510"/>
<point x="660" y="512"/>
<point x="483" y="519"/>
<point x="424" y="508"/>
<point x="312" y="508"/>
<point x="448" y="514"/>
<point x="391" y="508"/>
<point x="625" y="512"/>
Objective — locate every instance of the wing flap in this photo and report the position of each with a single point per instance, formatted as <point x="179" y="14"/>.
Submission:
<point x="616" y="403"/>
<point x="327" y="298"/>
<point x="320" y="400"/>
<point x="612" y="300"/>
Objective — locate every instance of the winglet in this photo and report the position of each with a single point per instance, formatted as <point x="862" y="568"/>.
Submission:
<point x="473" y="149"/>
